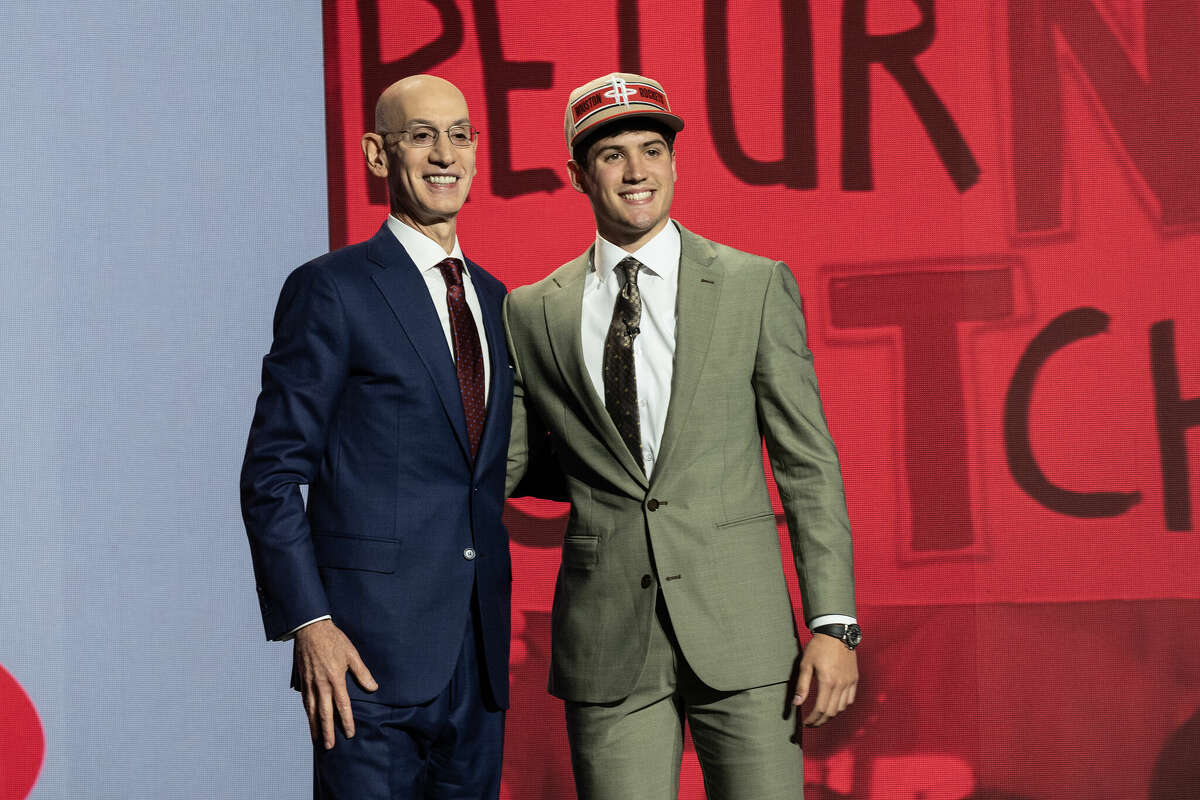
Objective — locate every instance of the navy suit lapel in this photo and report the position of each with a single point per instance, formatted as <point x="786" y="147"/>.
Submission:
<point x="408" y="296"/>
<point x="500" y="382"/>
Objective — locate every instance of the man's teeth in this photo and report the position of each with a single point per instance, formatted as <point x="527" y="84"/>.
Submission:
<point x="637" y="195"/>
<point x="441" y="179"/>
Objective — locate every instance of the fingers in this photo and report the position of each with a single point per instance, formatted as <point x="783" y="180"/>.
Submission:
<point x="341" y="698"/>
<point x="323" y="655"/>
<point x="321" y="699"/>
<point x="833" y="697"/>
<point x="803" y="682"/>
<point x="318" y="707"/>
<point x="361" y="673"/>
<point x="341" y="701"/>
<point x="310" y="711"/>
<point x="835" y="670"/>
<point x="820" y="713"/>
<point x="325" y="708"/>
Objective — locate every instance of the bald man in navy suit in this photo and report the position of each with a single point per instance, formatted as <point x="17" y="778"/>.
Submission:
<point x="387" y="391"/>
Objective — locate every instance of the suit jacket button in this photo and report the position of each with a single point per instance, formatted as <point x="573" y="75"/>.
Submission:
<point x="469" y="554"/>
<point x="646" y="581"/>
<point x="652" y="505"/>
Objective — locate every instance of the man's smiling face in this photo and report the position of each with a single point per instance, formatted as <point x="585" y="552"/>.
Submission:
<point x="428" y="184"/>
<point x="629" y="178"/>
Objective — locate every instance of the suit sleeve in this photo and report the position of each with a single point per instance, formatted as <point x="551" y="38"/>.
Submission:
<point x="302" y="380"/>
<point x="803" y="457"/>
<point x="518" y="441"/>
<point x="532" y="468"/>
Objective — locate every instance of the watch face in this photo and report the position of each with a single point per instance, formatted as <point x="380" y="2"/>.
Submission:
<point x="853" y="635"/>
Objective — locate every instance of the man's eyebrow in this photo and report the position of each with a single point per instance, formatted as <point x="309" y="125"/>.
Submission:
<point x="432" y="124"/>
<point x="624" y="148"/>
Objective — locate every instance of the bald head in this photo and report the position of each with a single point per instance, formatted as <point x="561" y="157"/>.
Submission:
<point x="428" y="170"/>
<point x="396" y="105"/>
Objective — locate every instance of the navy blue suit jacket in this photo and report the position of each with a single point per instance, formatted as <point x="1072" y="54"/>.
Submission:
<point x="360" y="401"/>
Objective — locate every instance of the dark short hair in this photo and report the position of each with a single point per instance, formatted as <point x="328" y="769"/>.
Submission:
<point x="583" y="145"/>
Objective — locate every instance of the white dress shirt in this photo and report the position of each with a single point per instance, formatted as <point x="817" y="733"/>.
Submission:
<point x="654" y="347"/>
<point x="426" y="254"/>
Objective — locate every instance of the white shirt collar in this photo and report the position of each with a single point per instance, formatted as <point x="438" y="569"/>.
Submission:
<point x="425" y="252"/>
<point x="660" y="255"/>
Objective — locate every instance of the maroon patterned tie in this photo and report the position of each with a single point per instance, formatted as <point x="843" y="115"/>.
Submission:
<point x="468" y="356"/>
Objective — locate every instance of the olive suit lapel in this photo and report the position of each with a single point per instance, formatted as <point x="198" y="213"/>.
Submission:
<point x="700" y="278"/>
<point x="564" y="319"/>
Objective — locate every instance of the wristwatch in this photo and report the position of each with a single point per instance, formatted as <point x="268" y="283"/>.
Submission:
<point x="849" y="635"/>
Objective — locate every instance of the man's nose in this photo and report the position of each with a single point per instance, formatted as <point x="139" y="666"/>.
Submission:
<point x="634" y="169"/>
<point x="442" y="152"/>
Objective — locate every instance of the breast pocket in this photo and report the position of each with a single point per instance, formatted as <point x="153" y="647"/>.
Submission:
<point x="581" y="552"/>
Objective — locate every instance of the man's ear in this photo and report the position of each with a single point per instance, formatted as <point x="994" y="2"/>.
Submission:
<point x="375" y="154"/>
<point x="577" y="175"/>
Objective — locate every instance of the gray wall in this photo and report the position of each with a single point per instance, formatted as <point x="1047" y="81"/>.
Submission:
<point x="163" y="169"/>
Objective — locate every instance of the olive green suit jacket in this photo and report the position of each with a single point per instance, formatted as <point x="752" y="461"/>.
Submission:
<point x="701" y="527"/>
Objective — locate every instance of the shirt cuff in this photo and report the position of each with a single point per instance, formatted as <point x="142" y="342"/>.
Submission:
<point x="292" y="633"/>
<point x="829" y="619"/>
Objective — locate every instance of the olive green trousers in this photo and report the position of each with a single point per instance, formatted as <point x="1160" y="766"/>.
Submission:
<point x="746" y="741"/>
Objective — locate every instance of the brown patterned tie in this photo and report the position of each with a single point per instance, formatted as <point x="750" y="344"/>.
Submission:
<point x="620" y="376"/>
<point x="468" y="355"/>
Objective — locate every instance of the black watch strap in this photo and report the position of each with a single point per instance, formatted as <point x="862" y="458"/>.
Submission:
<point x="849" y="635"/>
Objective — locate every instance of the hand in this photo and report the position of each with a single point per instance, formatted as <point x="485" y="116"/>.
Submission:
<point x="835" y="668"/>
<point x="323" y="654"/>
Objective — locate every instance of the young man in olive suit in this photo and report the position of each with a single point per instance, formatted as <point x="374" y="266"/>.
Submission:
<point x="653" y="366"/>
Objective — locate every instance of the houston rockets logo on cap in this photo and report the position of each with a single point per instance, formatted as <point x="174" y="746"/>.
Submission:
<point x="620" y="94"/>
<point x="620" y="91"/>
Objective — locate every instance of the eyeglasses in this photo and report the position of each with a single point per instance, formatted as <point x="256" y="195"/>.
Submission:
<point x="427" y="135"/>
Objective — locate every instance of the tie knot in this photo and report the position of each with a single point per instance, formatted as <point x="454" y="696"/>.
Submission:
<point x="629" y="266"/>
<point x="451" y="271"/>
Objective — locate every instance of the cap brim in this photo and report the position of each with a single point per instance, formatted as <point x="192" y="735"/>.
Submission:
<point x="665" y="117"/>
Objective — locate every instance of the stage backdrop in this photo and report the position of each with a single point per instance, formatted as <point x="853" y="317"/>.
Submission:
<point x="991" y="210"/>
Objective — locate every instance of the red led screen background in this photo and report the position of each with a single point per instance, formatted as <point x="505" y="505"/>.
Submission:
<point x="992" y="211"/>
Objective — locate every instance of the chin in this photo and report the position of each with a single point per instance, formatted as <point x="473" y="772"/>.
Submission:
<point x="644" y="226"/>
<point x="445" y="207"/>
